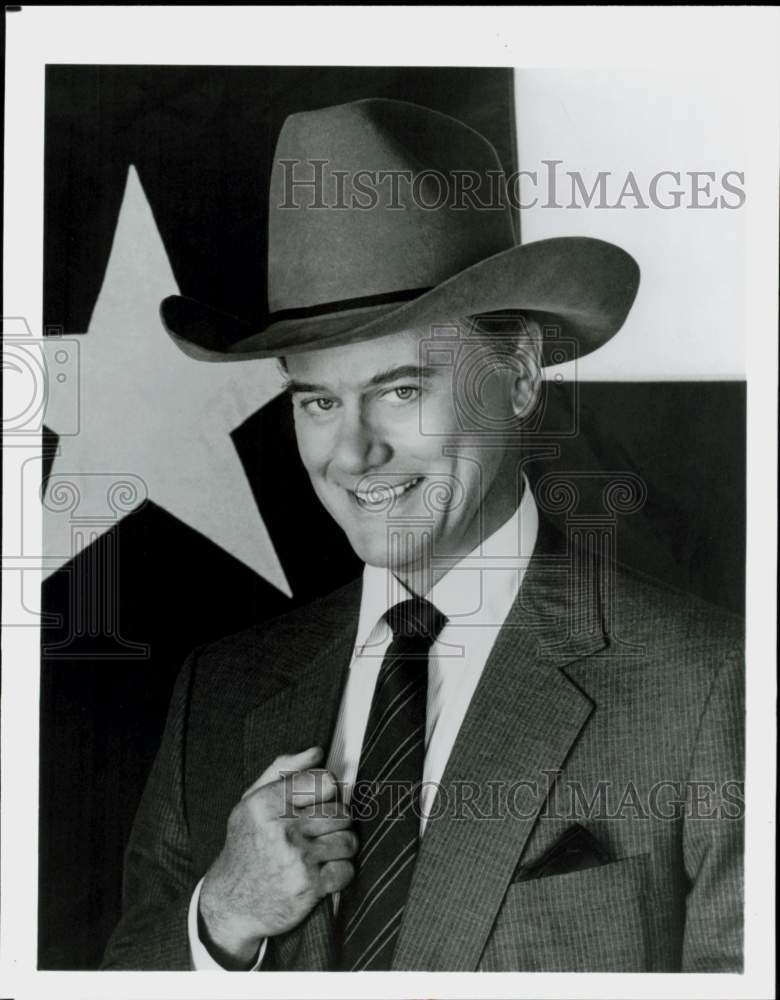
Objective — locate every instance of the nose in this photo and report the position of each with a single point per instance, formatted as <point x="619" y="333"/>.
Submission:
<point x="360" y="445"/>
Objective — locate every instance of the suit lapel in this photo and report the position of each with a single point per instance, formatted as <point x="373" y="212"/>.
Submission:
<point x="301" y="714"/>
<point x="523" y="719"/>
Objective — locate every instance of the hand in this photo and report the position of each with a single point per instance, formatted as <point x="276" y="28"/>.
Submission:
<point x="288" y="844"/>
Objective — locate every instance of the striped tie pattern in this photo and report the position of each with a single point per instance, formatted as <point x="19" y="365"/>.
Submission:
<point x="386" y="795"/>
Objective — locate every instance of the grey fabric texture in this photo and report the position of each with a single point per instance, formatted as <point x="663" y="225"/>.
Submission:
<point x="609" y="701"/>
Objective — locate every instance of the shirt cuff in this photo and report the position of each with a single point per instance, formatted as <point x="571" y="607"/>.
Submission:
<point x="200" y="959"/>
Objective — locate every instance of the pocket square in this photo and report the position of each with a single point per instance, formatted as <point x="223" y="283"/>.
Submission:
<point x="575" y="850"/>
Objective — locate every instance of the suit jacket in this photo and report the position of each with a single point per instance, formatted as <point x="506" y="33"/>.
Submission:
<point x="610" y="707"/>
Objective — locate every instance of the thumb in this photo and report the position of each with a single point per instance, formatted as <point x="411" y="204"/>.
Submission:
<point x="287" y="762"/>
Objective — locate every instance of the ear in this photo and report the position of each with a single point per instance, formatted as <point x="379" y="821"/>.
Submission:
<point x="525" y="387"/>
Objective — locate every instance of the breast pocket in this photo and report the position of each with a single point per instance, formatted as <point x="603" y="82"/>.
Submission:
<point x="585" y="921"/>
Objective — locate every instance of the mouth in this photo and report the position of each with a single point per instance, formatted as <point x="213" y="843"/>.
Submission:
<point x="381" y="495"/>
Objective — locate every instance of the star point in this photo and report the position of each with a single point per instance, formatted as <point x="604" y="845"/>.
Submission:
<point x="148" y="411"/>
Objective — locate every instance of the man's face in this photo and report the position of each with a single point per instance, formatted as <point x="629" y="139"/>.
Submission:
<point x="382" y="437"/>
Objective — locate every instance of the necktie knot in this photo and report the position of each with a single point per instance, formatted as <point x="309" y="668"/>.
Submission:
<point x="416" y="618"/>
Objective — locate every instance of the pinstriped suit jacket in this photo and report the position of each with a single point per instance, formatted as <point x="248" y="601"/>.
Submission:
<point x="608" y="701"/>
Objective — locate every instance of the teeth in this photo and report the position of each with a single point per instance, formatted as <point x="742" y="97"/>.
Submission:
<point x="381" y="494"/>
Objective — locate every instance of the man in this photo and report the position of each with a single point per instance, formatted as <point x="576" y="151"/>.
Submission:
<point x="497" y="750"/>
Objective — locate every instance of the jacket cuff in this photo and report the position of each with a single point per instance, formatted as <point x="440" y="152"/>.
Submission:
<point x="200" y="958"/>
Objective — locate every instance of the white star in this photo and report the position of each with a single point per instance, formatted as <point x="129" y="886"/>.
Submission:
<point x="146" y="410"/>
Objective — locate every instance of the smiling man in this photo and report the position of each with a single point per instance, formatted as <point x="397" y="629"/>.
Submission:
<point x="388" y="440"/>
<point x="494" y="750"/>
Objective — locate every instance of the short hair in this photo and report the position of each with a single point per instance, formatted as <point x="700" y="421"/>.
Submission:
<point x="511" y="332"/>
<point x="513" y="341"/>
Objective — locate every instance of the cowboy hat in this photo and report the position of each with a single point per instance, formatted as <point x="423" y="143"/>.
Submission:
<point x="385" y="216"/>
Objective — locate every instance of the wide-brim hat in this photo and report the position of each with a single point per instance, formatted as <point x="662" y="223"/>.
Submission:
<point x="387" y="216"/>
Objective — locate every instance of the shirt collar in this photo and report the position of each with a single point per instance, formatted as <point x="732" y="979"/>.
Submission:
<point x="477" y="590"/>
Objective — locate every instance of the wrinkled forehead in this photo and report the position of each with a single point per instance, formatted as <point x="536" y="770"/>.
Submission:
<point x="361" y="362"/>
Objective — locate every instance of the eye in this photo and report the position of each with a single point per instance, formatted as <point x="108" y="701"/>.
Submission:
<point x="403" y="393"/>
<point x="321" y="404"/>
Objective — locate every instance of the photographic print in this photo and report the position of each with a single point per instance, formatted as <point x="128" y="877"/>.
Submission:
<point x="386" y="446"/>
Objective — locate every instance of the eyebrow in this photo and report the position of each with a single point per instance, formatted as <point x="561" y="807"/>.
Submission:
<point x="293" y="386"/>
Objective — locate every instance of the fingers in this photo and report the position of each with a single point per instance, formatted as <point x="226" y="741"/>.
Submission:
<point x="307" y="788"/>
<point x="341" y="845"/>
<point x="324" y="818"/>
<point x="335" y="876"/>
<point x="285" y="764"/>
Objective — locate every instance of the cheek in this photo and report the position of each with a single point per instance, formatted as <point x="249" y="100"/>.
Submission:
<point x="437" y="413"/>
<point x="312" y="446"/>
<point x="473" y="469"/>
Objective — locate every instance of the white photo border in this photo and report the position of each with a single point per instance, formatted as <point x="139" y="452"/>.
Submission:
<point x="738" y="42"/>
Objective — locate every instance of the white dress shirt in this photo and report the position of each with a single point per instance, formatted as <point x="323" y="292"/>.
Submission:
<point x="475" y="595"/>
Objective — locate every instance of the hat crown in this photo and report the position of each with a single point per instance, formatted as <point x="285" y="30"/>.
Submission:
<point x="379" y="198"/>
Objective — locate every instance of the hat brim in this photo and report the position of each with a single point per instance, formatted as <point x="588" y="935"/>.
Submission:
<point x="581" y="288"/>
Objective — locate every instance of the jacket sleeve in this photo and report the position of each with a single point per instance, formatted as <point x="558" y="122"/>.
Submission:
<point x="158" y="873"/>
<point x="713" y="829"/>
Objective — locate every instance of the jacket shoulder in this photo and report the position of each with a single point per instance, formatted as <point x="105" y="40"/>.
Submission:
<point x="262" y="646"/>
<point x="668" y="654"/>
<point x="655" y="612"/>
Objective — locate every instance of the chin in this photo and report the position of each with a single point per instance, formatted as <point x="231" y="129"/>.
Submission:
<point x="374" y="555"/>
<point x="374" y="552"/>
<point x="370" y="550"/>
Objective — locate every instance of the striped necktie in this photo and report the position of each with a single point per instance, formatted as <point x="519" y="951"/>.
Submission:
<point x="386" y="795"/>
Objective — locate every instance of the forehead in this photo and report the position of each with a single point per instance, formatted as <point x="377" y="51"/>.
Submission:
<point x="358" y="363"/>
